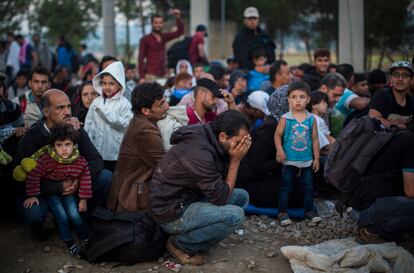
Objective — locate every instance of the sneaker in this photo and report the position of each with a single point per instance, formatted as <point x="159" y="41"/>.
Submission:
<point x="313" y="217"/>
<point x="74" y="250"/>
<point x="182" y="257"/>
<point x="284" y="219"/>
<point x="366" y="237"/>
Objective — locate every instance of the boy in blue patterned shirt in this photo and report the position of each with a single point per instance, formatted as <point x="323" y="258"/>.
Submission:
<point x="297" y="144"/>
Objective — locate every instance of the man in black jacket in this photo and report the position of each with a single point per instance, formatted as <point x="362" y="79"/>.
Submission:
<point x="321" y="62"/>
<point x="192" y="194"/>
<point x="252" y="37"/>
<point x="55" y="106"/>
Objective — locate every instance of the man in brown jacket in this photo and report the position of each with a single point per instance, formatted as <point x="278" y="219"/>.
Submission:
<point x="141" y="150"/>
<point x="192" y="193"/>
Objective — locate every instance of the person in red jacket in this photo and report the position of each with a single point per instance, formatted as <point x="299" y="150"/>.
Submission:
<point x="151" y="58"/>
<point x="61" y="160"/>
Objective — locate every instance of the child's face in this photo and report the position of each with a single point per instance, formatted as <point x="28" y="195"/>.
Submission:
<point x="261" y="61"/>
<point x="298" y="100"/>
<point x="198" y="71"/>
<point x="64" y="148"/>
<point x="183" y="67"/>
<point x="110" y="86"/>
<point x="320" y="108"/>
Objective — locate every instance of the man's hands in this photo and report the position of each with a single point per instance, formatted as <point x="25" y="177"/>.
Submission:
<point x="83" y="205"/>
<point x="238" y="150"/>
<point x="70" y="186"/>
<point x="19" y="131"/>
<point x="29" y="202"/>
<point x="75" y="123"/>
<point x="228" y="98"/>
<point x="176" y="13"/>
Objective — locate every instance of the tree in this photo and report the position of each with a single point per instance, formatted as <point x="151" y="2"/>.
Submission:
<point x="387" y="27"/>
<point x="74" y="19"/>
<point x="11" y="14"/>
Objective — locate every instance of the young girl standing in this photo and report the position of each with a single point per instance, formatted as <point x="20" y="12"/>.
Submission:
<point x="296" y="140"/>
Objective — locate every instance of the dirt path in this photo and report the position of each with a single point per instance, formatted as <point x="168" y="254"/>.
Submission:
<point x="256" y="250"/>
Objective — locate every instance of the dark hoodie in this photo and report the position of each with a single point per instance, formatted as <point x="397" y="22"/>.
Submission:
<point x="195" y="168"/>
<point x="313" y="78"/>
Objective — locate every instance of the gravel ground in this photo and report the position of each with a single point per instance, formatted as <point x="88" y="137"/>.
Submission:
<point x="254" y="249"/>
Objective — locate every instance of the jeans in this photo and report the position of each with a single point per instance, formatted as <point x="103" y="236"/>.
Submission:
<point x="65" y="211"/>
<point x="36" y="215"/>
<point x="387" y="216"/>
<point x="203" y="224"/>
<point x="288" y="178"/>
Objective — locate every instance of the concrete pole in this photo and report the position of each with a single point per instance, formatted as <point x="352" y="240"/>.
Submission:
<point x="200" y="14"/>
<point x="351" y="33"/>
<point x="109" y="27"/>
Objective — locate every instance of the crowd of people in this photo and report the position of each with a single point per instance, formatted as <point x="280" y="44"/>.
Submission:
<point x="196" y="149"/>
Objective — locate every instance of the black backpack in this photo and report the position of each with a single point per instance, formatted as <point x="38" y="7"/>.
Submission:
<point x="178" y="51"/>
<point x="124" y="237"/>
<point x="352" y="152"/>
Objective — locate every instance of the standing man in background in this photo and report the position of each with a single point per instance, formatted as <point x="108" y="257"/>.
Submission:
<point x="151" y="59"/>
<point x="252" y="37"/>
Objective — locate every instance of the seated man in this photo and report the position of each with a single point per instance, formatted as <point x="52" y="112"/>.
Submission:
<point x="55" y="106"/>
<point x="192" y="194"/>
<point x="383" y="207"/>
<point x="394" y="106"/>
<point x="141" y="150"/>
<point x="206" y="95"/>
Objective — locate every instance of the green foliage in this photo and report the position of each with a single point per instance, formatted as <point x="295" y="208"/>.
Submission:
<point x="74" y="19"/>
<point x="11" y="14"/>
<point x="387" y="24"/>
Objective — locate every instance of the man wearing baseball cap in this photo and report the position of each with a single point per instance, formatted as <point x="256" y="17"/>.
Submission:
<point x="393" y="106"/>
<point x="252" y="37"/>
<point x="206" y="93"/>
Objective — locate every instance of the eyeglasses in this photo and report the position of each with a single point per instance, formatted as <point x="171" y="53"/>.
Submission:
<point x="401" y="75"/>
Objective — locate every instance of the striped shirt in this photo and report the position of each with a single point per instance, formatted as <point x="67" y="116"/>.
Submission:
<point x="48" y="168"/>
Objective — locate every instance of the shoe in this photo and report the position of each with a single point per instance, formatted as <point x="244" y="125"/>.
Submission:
<point x="182" y="257"/>
<point x="366" y="237"/>
<point x="313" y="217"/>
<point x="284" y="219"/>
<point x="74" y="250"/>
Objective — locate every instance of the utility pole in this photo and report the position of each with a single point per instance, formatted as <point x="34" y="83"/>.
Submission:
<point x="109" y="27"/>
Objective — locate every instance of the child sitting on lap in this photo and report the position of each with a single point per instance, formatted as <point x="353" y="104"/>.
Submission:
<point x="61" y="161"/>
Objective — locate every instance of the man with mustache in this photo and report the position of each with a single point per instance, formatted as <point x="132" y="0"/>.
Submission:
<point x="151" y="58"/>
<point x="56" y="109"/>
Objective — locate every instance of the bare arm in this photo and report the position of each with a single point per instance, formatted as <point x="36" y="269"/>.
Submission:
<point x="387" y="123"/>
<point x="376" y="114"/>
<point x="409" y="184"/>
<point x="280" y="153"/>
<point x="315" y="147"/>
<point x="201" y="51"/>
<point x="359" y="103"/>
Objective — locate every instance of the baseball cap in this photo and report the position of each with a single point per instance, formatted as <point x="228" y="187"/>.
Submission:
<point x="202" y="28"/>
<point x="251" y="12"/>
<point x="402" y="64"/>
<point x="258" y="99"/>
<point x="211" y="86"/>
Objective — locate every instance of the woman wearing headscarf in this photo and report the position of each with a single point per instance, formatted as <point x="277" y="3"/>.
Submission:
<point x="86" y="95"/>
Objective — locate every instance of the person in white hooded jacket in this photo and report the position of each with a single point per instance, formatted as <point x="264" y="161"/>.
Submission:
<point x="109" y="115"/>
